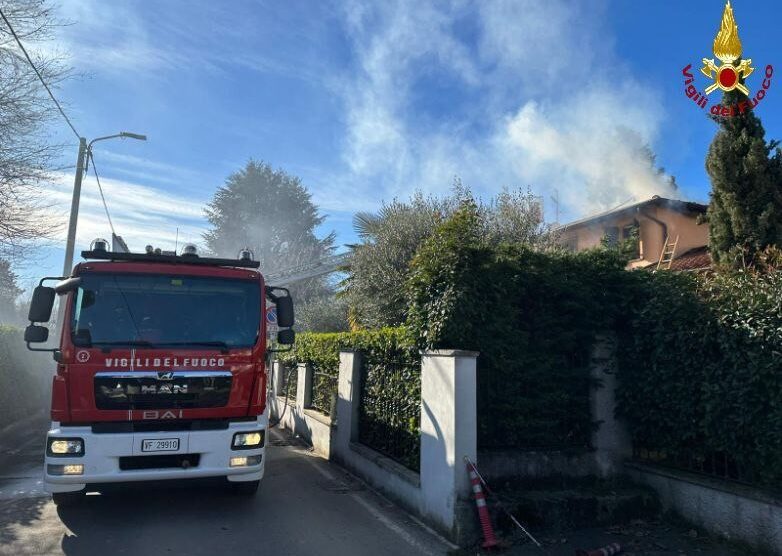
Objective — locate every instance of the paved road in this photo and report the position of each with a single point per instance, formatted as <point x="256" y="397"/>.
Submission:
<point x="306" y="505"/>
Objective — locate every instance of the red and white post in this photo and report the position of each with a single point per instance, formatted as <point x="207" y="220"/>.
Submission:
<point x="489" y="539"/>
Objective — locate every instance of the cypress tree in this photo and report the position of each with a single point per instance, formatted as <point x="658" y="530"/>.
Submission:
<point x="745" y="209"/>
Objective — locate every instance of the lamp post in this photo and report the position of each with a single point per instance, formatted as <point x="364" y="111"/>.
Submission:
<point x="84" y="150"/>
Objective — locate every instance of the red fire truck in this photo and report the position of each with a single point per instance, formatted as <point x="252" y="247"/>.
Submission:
<point x="161" y="369"/>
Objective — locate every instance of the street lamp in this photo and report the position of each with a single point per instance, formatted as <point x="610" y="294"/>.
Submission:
<point x="84" y="149"/>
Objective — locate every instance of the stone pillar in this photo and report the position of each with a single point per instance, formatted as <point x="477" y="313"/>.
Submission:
<point x="278" y="378"/>
<point x="348" y="401"/>
<point x="304" y="386"/>
<point x="611" y="440"/>
<point x="449" y="432"/>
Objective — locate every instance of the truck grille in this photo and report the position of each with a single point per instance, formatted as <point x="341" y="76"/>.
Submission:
<point x="133" y="463"/>
<point x="114" y="427"/>
<point x="162" y="390"/>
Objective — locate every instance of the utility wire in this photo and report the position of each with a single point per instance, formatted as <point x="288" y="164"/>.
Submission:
<point x="62" y="112"/>
<point x="40" y="77"/>
<point x="103" y="198"/>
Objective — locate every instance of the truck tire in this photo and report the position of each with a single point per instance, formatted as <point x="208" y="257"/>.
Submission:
<point x="245" y="488"/>
<point x="67" y="499"/>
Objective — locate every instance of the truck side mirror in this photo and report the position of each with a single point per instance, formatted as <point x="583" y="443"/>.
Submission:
<point x="286" y="337"/>
<point x="285" y="317"/>
<point x="41" y="305"/>
<point x="35" y="334"/>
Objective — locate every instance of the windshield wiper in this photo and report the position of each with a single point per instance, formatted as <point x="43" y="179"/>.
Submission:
<point x="208" y="343"/>
<point x="144" y="343"/>
<point x="107" y="346"/>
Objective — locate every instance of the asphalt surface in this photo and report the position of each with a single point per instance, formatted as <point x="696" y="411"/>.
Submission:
<point x="306" y="505"/>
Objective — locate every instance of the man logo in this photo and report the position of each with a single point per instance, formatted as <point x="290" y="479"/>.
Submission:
<point x="165" y="376"/>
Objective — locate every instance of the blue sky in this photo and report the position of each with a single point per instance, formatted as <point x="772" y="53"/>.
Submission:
<point x="367" y="101"/>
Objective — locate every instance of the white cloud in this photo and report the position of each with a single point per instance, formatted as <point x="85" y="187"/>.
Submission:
<point x="141" y="215"/>
<point x="154" y="39"/>
<point x="546" y="114"/>
<point x="147" y="170"/>
<point x="593" y="159"/>
<point x="550" y="104"/>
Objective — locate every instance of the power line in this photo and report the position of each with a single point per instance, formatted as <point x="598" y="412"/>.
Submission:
<point x="40" y="77"/>
<point x="103" y="198"/>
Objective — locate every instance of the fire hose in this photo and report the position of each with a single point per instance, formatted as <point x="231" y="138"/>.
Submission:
<point x="287" y="391"/>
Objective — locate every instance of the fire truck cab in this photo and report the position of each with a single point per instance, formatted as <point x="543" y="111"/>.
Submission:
<point x="161" y="369"/>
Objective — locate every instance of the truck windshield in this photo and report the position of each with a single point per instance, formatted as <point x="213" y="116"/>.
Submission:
<point x="158" y="310"/>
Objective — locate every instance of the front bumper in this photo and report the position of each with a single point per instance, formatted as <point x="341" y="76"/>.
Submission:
<point x="102" y="453"/>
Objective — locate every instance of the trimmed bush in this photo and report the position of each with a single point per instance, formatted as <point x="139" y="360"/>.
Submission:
<point x="700" y="364"/>
<point x="391" y="385"/>
<point x="533" y="317"/>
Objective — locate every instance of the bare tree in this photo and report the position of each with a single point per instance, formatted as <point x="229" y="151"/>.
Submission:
<point x="26" y="153"/>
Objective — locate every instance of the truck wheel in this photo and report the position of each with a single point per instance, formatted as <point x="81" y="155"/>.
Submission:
<point x="66" y="499"/>
<point x="245" y="488"/>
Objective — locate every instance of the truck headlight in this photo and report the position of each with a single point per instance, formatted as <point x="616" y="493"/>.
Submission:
<point x="248" y="440"/>
<point x="65" y="447"/>
<point x="72" y="469"/>
<point x="245" y="461"/>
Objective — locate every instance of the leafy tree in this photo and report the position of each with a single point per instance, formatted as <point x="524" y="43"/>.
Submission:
<point x="445" y="281"/>
<point x="745" y="212"/>
<point x="9" y="292"/>
<point x="531" y="314"/>
<point x="327" y="313"/>
<point x="272" y="213"/>
<point x="26" y="153"/>
<point x="380" y="264"/>
<point x="515" y="216"/>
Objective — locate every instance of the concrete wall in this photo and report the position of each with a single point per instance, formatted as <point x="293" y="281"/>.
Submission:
<point x="440" y="494"/>
<point x="311" y="425"/>
<point x="449" y="433"/>
<point x="611" y="440"/>
<point x="531" y="465"/>
<point x="732" y="511"/>
<point x="723" y="508"/>
<point x="611" y="444"/>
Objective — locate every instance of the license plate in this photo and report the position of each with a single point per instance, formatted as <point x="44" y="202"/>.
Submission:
<point x="160" y="445"/>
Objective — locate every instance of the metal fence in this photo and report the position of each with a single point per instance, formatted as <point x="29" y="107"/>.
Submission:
<point x="324" y="391"/>
<point x="390" y="409"/>
<point x="290" y="381"/>
<point x="720" y="465"/>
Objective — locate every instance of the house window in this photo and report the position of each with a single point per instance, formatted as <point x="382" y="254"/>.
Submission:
<point x="570" y="243"/>
<point x="631" y="239"/>
<point x="611" y="235"/>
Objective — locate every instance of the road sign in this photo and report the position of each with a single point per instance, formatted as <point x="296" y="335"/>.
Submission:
<point x="271" y="320"/>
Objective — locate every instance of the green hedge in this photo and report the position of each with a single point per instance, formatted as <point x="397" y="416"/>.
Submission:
<point x="322" y="352"/>
<point x="532" y="316"/>
<point x="700" y="364"/>
<point x="24" y="378"/>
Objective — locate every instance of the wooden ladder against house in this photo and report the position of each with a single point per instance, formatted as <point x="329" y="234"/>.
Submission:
<point x="668" y="253"/>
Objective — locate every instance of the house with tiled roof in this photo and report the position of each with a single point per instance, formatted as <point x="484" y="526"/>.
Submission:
<point x="667" y="234"/>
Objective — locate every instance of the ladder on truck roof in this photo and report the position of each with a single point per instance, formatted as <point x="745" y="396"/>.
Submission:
<point x="668" y="253"/>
